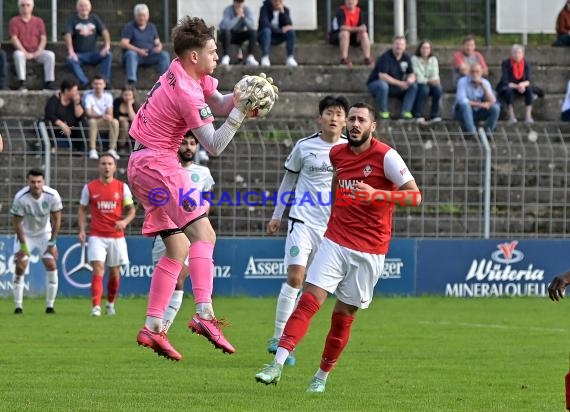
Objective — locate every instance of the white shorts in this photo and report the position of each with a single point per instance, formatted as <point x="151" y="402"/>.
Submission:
<point x="159" y="250"/>
<point x="39" y="243"/>
<point x="349" y="274"/>
<point x="302" y="243"/>
<point x="108" y="249"/>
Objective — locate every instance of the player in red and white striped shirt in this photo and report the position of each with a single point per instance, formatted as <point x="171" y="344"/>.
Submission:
<point x="106" y="198"/>
<point x="370" y="177"/>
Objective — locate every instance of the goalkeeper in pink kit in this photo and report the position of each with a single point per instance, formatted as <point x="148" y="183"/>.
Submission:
<point x="183" y="98"/>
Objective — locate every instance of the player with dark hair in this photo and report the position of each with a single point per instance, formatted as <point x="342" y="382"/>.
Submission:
<point x="184" y="98"/>
<point x="106" y="198"/>
<point x="308" y="169"/>
<point x="36" y="215"/>
<point x="370" y="177"/>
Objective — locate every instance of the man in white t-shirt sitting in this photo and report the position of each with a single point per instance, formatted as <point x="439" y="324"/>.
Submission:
<point x="98" y="105"/>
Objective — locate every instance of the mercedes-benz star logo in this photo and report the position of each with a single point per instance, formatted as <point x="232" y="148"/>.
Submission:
<point x="81" y="266"/>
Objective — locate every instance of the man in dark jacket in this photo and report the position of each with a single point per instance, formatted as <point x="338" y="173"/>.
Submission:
<point x="275" y="27"/>
<point x="65" y="114"/>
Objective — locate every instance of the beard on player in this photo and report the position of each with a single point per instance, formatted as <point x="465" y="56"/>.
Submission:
<point x="354" y="133"/>
<point x="186" y="155"/>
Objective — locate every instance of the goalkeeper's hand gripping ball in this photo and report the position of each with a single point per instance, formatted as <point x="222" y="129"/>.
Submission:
<point x="255" y="95"/>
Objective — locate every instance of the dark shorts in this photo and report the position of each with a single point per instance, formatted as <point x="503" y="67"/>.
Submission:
<point x="333" y="38"/>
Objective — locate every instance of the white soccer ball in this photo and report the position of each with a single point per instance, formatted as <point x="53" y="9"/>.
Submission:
<point x="261" y="92"/>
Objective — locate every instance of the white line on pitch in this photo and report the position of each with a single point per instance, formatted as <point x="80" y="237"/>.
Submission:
<point x="492" y="326"/>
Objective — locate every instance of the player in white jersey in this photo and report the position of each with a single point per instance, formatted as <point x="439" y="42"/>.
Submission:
<point x="33" y="208"/>
<point x="309" y="170"/>
<point x="203" y="182"/>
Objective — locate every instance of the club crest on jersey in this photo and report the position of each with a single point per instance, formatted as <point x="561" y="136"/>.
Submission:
<point x="45" y="205"/>
<point x="195" y="178"/>
<point x="188" y="204"/>
<point x="367" y="170"/>
<point x="294" y="251"/>
<point x="116" y="196"/>
<point x="205" y="112"/>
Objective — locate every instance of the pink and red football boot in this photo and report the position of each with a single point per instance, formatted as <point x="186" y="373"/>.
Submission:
<point x="211" y="329"/>
<point x="158" y="342"/>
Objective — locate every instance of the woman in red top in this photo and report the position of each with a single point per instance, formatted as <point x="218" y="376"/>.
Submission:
<point x="563" y="27"/>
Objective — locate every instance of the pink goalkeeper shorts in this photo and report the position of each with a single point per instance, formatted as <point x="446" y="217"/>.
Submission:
<point x="159" y="182"/>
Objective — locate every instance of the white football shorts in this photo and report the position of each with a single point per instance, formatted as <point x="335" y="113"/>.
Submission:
<point x="302" y="243"/>
<point x="38" y="243"/>
<point x="347" y="273"/>
<point x="113" y="251"/>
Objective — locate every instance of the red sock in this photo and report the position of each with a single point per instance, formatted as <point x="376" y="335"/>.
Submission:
<point x="337" y="339"/>
<point x="96" y="289"/>
<point x="113" y="287"/>
<point x="299" y="321"/>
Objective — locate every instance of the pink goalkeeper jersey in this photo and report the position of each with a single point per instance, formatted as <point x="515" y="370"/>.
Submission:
<point x="175" y="104"/>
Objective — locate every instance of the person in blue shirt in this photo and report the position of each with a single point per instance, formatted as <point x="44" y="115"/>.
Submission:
<point x="141" y="45"/>
<point x="393" y="75"/>
<point x="475" y="101"/>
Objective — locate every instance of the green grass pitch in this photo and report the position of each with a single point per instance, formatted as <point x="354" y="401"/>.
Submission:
<point x="405" y="354"/>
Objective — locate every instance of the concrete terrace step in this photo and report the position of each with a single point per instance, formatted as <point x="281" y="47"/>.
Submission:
<point x="330" y="79"/>
<point x="325" y="54"/>
<point x="35" y="76"/>
<point x="289" y="105"/>
<point x="305" y="104"/>
<point x="336" y="79"/>
<point x="551" y="72"/>
<point x="321" y="53"/>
